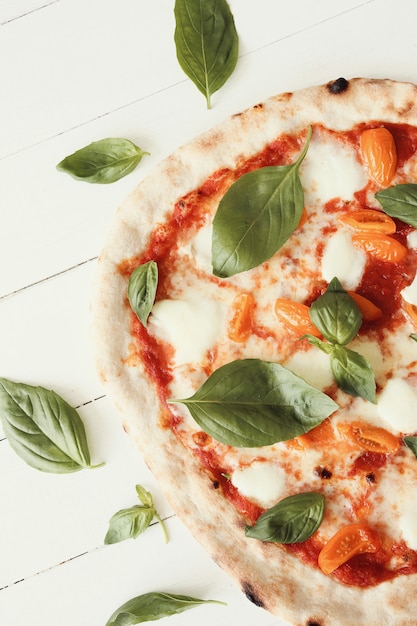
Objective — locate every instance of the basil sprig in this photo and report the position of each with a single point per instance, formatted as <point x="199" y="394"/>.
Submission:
<point x="141" y="290"/>
<point x="103" y="161"/>
<point x="338" y="318"/>
<point x="400" y="201"/>
<point x="292" y="520"/>
<point x="153" y="606"/>
<point x="256" y="216"/>
<point x="411" y="442"/>
<point x="250" y="403"/>
<point x="206" y="43"/>
<point x="132" y="522"/>
<point x="42" y="428"/>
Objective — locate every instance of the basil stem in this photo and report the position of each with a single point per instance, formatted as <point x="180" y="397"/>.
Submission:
<point x="411" y="442"/>
<point x="251" y="403"/>
<point x="153" y="606"/>
<point x="132" y="522"/>
<point x="336" y="314"/>
<point x="103" y="161"/>
<point x="141" y="290"/>
<point x="400" y="201"/>
<point x="206" y="43"/>
<point x="256" y="216"/>
<point x="292" y="520"/>
<point x="352" y="373"/>
<point x="42" y="428"/>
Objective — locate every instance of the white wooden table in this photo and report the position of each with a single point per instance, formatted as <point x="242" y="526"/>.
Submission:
<point x="72" y="72"/>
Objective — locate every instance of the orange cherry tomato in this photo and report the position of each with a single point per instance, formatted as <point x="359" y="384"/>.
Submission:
<point x="317" y="437"/>
<point x="241" y="322"/>
<point x="371" y="438"/>
<point x="370" y="312"/>
<point x="382" y="247"/>
<point x="295" y="316"/>
<point x="379" y="154"/>
<point x="349" y="541"/>
<point x="370" y="220"/>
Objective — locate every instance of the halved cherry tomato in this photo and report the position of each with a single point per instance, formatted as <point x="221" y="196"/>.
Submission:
<point x="320" y="435"/>
<point x="295" y="316"/>
<point x="240" y="324"/>
<point x="380" y="154"/>
<point x="371" y="438"/>
<point x="368" y="309"/>
<point x="369" y="220"/>
<point x="349" y="541"/>
<point x="382" y="247"/>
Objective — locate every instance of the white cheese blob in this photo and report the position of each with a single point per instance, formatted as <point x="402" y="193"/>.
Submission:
<point x="342" y="259"/>
<point x="313" y="366"/>
<point x="412" y="239"/>
<point x="410" y="293"/>
<point x="408" y="520"/>
<point x="330" y="170"/>
<point x="191" y="326"/>
<point x="261" y="482"/>
<point x="199" y="248"/>
<point x="397" y="406"/>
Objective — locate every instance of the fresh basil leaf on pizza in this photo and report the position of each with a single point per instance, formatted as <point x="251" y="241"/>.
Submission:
<point x="254" y="312"/>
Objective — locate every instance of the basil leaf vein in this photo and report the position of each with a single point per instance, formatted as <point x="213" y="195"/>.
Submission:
<point x="353" y="373"/>
<point x="336" y="314"/>
<point x="256" y="216"/>
<point x="141" y="290"/>
<point x="400" y="201"/>
<point x="206" y="43"/>
<point x="42" y="428"/>
<point x="293" y="520"/>
<point x="153" y="606"/>
<point x="250" y="403"/>
<point x="104" y="161"/>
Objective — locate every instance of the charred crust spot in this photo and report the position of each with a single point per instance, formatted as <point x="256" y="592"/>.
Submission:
<point x="216" y="484"/>
<point x="323" y="472"/>
<point x="251" y="595"/>
<point x="370" y="478"/>
<point x="338" y="86"/>
<point x="312" y="623"/>
<point x="258" y="106"/>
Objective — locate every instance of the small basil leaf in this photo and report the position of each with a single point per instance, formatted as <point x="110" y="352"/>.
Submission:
<point x="353" y="373"/>
<point x="336" y="314"/>
<point x="42" y="428"/>
<point x="256" y="216"/>
<point x="250" y="403"/>
<point x="411" y="442"/>
<point x="128" y="523"/>
<point x="292" y="520"/>
<point x="141" y="290"/>
<point x="103" y="161"/>
<point x="400" y="201"/>
<point x="144" y="496"/>
<point x="206" y="43"/>
<point x="153" y="606"/>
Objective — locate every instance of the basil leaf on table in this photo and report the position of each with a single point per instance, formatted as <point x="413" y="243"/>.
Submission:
<point x="400" y="201"/>
<point x="104" y="161"/>
<point x="256" y="216"/>
<point x="42" y="428"/>
<point x="336" y="314"/>
<point x="206" y="43"/>
<point x="251" y="403"/>
<point x="353" y="373"/>
<point x="411" y="442"/>
<point x="292" y="520"/>
<point x="141" y="290"/>
<point x="153" y="606"/>
<point x="132" y="522"/>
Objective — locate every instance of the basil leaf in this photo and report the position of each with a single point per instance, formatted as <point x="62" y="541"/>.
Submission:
<point x="293" y="520"/>
<point x="411" y="442"/>
<point x="325" y="347"/>
<point x="250" y="403"/>
<point x="152" y="606"/>
<point x="103" y="161"/>
<point x="206" y="43"/>
<point x="413" y="336"/>
<point x="336" y="314"/>
<point x="353" y="373"/>
<point x="141" y="290"/>
<point x="256" y="216"/>
<point x="42" y="428"/>
<point x="400" y="201"/>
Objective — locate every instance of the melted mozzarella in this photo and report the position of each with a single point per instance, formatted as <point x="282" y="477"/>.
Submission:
<point x="199" y="248"/>
<point x="412" y="239"/>
<point x="410" y="293"/>
<point x="343" y="260"/>
<point x="397" y="405"/>
<point x="313" y="366"/>
<point x="408" y="520"/>
<point x="261" y="482"/>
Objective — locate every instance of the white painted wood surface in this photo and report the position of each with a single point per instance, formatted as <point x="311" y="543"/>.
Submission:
<point x="71" y="72"/>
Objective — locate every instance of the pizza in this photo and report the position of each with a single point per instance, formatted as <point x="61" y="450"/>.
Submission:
<point x="254" y="320"/>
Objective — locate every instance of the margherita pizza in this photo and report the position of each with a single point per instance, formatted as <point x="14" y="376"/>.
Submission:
<point x="254" y="318"/>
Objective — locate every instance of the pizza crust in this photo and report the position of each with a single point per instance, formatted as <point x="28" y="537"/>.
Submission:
<point x="269" y="576"/>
